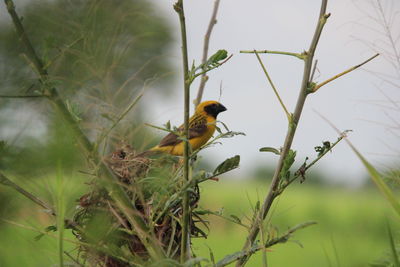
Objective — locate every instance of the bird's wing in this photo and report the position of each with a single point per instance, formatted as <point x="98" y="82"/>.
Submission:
<point x="171" y="139"/>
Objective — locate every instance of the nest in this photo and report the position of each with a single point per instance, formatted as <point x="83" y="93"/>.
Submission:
<point x="109" y="235"/>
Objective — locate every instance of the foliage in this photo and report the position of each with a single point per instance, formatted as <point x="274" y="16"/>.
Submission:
<point x="98" y="53"/>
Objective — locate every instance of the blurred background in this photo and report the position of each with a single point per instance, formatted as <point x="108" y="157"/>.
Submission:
<point x="101" y="55"/>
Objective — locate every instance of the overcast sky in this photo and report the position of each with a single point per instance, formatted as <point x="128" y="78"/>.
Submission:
<point x="354" y="102"/>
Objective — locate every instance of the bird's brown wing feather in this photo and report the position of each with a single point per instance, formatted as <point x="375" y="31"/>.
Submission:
<point x="171" y="139"/>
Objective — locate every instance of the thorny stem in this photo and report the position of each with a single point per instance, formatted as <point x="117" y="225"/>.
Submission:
<point x="204" y="77"/>
<point x="185" y="241"/>
<point x="316" y="87"/>
<point x="301" y="56"/>
<point x="115" y="191"/>
<point x="273" y="87"/>
<point x="290" y="133"/>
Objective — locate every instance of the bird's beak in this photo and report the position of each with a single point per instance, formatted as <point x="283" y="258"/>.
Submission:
<point x="221" y="108"/>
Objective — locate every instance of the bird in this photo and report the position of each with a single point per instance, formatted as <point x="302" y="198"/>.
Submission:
<point x="202" y="126"/>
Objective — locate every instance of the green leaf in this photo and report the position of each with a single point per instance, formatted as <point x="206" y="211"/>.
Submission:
<point x="236" y="218"/>
<point x="218" y="56"/>
<point x="52" y="228"/>
<point x="377" y="178"/>
<point x="230" y="134"/>
<point x="227" y="165"/>
<point x="74" y="110"/>
<point x="270" y="149"/>
<point x="326" y="145"/>
<point x="393" y="247"/>
<point x="203" y="212"/>
<point x="237" y="255"/>
<point x="168" y="125"/>
<point x="212" y="258"/>
<point x="257" y="207"/>
<point x="287" y="163"/>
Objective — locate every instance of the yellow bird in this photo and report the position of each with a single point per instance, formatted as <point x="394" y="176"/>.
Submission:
<point x="201" y="129"/>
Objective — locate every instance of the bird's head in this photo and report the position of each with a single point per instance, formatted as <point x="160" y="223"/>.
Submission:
<point x="211" y="108"/>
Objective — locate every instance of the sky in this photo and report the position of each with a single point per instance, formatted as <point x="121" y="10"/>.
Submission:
<point x="358" y="101"/>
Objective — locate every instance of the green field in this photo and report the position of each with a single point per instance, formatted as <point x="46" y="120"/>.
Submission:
<point x="351" y="229"/>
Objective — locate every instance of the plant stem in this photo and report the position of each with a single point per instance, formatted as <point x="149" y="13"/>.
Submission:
<point x="21" y="96"/>
<point x="115" y="191"/>
<point x="5" y="181"/>
<point x="280" y="239"/>
<point x="316" y="87"/>
<point x="273" y="87"/>
<point x="309" y="55"/>
<point x="301" y="56"/>
<point x="298" y="174"/>
<point x="204" y="77"/>
<point x="185" y="241"/>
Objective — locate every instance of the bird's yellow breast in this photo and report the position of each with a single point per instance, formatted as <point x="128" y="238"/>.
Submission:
<point x="195" y="143"/>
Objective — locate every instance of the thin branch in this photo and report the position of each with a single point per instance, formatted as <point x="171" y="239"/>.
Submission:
<point x="290" y="133"/>
<point x="5" y="181"/>
<point x="185" y="241"/>
<point x="301" y="56"/>
<point x="281" y="239"/>
<point x="285" y="237"/>
<point x="301" y="171"/>
<point x="273" y="86"/>
<point x="21" y="96"/>
<point x="316" y="87"/>
<point x="204" y="77"/>
<point x="24" y="38"/>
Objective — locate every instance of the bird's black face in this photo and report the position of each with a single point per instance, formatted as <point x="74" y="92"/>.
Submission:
<point x="214" y="109"/>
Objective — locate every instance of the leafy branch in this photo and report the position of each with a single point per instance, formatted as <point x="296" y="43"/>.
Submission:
<point x="215" y="61"/>
<point x="255" y="247"/>
<point x="322" y="151"/>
